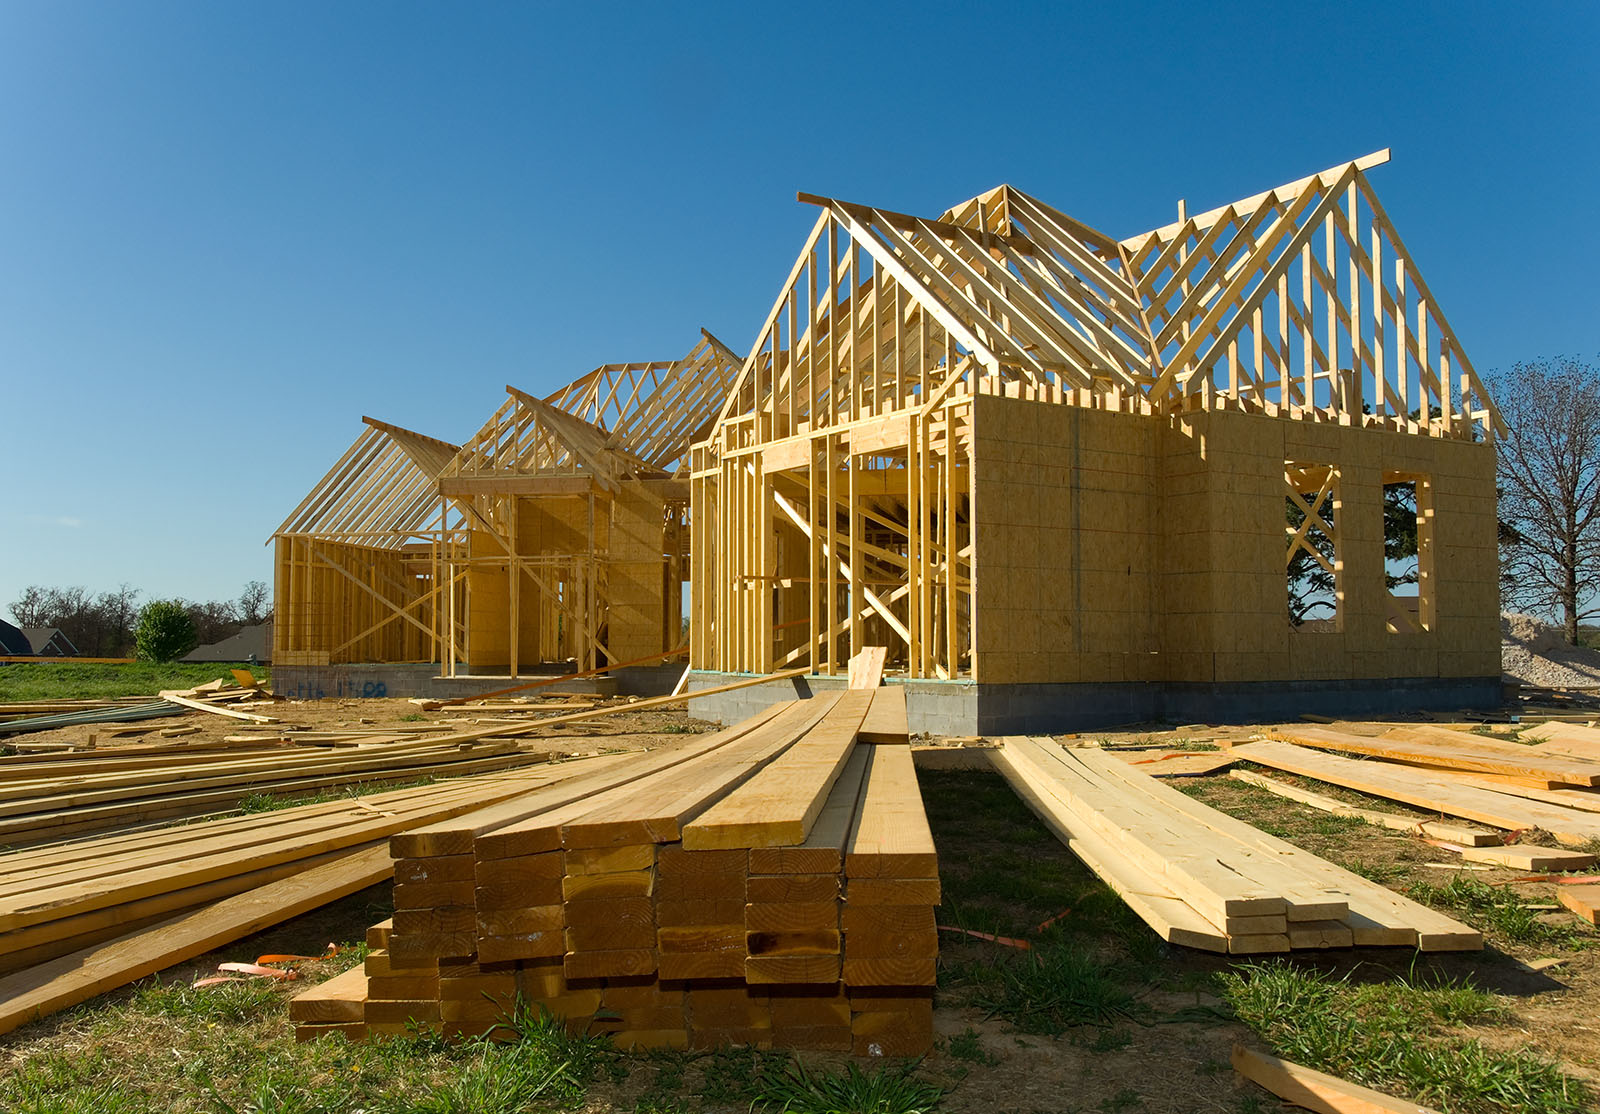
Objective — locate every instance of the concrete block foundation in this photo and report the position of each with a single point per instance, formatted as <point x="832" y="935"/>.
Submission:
<point x="966" y="708"/>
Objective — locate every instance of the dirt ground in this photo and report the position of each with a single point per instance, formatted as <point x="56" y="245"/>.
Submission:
<point x="1162" y="1045"/>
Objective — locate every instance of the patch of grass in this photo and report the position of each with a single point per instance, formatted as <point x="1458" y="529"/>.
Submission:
<point x="1496" y="910"/>
<point x="229" y="1003"/>
<point x="967" y="1046"/>
<point x="413" y="717"/>
<point x="1054" y="986"/>
<point x="886" y="1090"/>
<point x="1393" y="1035"/>
<point x="69" y="681"/>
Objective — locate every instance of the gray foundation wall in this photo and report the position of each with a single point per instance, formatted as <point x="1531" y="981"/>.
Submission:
<point x="964" y="708"/>
<point x="345" y="682"/>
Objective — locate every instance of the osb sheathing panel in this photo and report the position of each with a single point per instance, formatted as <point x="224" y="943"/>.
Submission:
<point x="1065" y="541"/>
<point x="1117" y="547"/>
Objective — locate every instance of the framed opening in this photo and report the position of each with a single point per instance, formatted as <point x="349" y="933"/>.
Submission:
<point x="1313" y="561"/>
<point x="1407" y="554"/>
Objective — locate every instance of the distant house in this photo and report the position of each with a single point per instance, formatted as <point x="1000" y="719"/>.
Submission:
<point x="49" y="642"/>
<point x="13" y="642"/>
<point x="252" y="642"/>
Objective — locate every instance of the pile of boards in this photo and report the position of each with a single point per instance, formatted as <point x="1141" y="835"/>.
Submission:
<point x="772" y="884"/>
<point x="1201" y="878"/>
<point x="1546" y="780"/>
<point x="81" y="918"/>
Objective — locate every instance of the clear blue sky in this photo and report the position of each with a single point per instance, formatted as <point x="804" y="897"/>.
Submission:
<point x="228" y="230"/>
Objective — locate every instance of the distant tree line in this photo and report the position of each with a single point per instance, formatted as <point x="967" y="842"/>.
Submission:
<point x="104" y="625"/>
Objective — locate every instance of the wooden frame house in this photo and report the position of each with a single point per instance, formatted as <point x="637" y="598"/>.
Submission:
<point x="1020" y="452"/>
<point x="561" y="519"/>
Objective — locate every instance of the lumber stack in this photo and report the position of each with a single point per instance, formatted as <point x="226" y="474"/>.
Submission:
<point x="60" y="899"/>
<point x="50" y="797"/>
<point x="1201" y="878"/>
<point x="772" y="884"/>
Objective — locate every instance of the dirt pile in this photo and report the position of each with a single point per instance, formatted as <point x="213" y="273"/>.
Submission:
<point x="1536" y="653"/>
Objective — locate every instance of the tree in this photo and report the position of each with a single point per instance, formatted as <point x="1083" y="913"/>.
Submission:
<point x="1549" y="478"/>
<point x="255" y="603"/>
<point x="165" y="632"/>
<point x="99" y="626"/>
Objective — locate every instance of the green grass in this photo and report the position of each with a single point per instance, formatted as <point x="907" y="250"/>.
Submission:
<point x="68" y="681"/>
<point x="1498" y="911"/>
<point x="885" y="1090"/>
<point x="1395" y="1035"/>
<point x="967" y="1047"/>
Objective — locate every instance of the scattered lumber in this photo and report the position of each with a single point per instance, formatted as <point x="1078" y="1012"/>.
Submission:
<point x="1425" y="789"/>
<point x="1433" y="746"/>
<point x="185" y="701"/>
<point x="51" y="896"/>
<point x="41" y="990"/>
<point x="1582" y="900"/>
<point x="1202" y="878"/>
<point x="1441" y="829"/>
<point x="1518" y="856"/>
<point x="1315" y="1090"/>
<point x="805" y="921"/>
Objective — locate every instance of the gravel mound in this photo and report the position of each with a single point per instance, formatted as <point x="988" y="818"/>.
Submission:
<point x="1536" y="653"/>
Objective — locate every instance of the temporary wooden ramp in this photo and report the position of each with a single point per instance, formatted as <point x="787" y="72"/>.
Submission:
<point x="1202" y="878"/>
<point x="771" y="884"/>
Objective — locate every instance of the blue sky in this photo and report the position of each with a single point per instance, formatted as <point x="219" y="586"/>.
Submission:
<point x="227" y="231"/>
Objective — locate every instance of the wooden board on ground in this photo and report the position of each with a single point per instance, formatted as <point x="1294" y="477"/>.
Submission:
<point x="1418" y="788"/>
<point x="1440" y="829"/>
<point x="1582" y="900"/>
<point x="1470" y="753"/>
<point x="1315" y="1090"/>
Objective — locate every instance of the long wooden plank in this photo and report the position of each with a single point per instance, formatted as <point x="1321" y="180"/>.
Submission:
<point x="1375" y="914"/>
<point x="39" y="991"/>
<point x="1486" y="756"/>
<point x="462" y="836"/>
<point x="1416" y="787"/>
<point x="22" y="906"/>
<point x="658" y="811"/>
<point x="1147" y="894"/>
<point x="175" y="697"/>
<point x="778" y="806"/>
<point x="885" y="721"/>
<point x="1582" y="900"/>
<point x="1220" y="879"/>
<point x="1315" y="1090"/>
<point x="1440" y="829"/>
<point x="890" y="837"/>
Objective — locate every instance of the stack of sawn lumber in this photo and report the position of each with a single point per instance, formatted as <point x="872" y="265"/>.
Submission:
<point x="53" y="796"/>
<point x="59" y="899"/>
<point x="1549" y="785"/>
<point x="1202" y="878"/>
<point x="772" y="884"/>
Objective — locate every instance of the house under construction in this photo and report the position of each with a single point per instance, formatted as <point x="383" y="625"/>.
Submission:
<point x="553" y="538"/>
<point x="1063" y="477"/>
<point x="1101" y="479"/>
